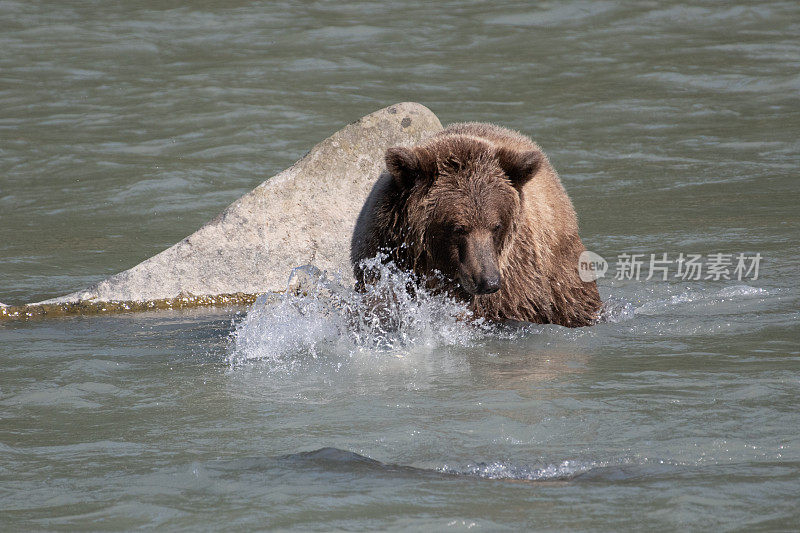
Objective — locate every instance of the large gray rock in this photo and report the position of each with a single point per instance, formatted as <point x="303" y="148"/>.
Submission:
<point x="305" y="214"/>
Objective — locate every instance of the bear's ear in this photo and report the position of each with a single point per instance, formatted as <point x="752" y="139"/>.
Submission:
<point x="519" y="166"/>
<point x="408" y="165"/>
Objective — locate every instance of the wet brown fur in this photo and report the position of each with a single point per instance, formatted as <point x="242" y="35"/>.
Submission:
<point x="473" y="196"/>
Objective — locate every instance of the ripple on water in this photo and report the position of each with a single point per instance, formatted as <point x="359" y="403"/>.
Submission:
<point x="331" y="459"/>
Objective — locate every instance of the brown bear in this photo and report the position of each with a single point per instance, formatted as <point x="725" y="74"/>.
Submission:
<point x="479" y="211"/>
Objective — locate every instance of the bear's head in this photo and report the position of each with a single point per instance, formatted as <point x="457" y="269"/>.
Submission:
<point x="462" y="199"/>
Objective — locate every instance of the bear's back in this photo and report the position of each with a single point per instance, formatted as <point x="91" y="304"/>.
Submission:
<point x="496" y="135"/>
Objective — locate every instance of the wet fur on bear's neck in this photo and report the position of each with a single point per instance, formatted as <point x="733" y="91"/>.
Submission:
<point x="477" y="176"/>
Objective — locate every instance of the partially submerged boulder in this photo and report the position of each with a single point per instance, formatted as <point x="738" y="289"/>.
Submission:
<point x="305" y="214"/>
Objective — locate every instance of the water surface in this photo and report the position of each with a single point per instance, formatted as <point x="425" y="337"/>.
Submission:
<point x="674" y="128"/>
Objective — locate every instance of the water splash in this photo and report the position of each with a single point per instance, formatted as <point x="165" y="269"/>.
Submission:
<point x="317" y="316"/>
<point x="319" y="319"/>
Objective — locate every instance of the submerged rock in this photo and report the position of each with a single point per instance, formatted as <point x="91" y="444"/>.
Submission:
<point x="305" y="214"/>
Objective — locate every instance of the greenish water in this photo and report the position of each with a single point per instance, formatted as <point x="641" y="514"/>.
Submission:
<point x="125" y="126"/>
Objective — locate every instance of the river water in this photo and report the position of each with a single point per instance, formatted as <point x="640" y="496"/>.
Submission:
<point x="125" y="126"/>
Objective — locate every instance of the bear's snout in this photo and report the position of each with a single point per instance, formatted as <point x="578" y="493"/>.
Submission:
<point x="478" y="271"/>
<point x="482" y="282"/>
<point x="488" y="284"/>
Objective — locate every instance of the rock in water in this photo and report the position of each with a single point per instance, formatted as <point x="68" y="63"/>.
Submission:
<point x="305" y="214"/>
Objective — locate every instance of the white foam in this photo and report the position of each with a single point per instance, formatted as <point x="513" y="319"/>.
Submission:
<point x="393" y="318"/>
<point x="618" y="309"/>
<point x="500" y="470"/>
<point x="741" y="290"/>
